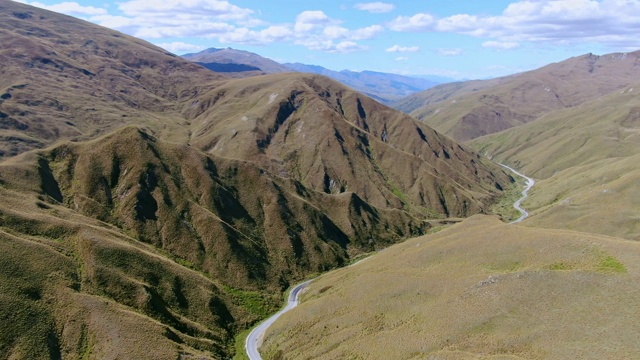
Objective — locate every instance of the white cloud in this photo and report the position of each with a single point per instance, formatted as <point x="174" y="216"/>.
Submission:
<point x="402" y="58"/>
<point x="610" y="22"/>
<point x="329" y="46"/>
<point x="459" y="23"/>
<point x="180" y="20"/>
<point x="178" y="30"/>
<point x="503" y="45"/>
<point x="317" y="31"/>
<point x="316" y="17"/>
<point x="375" y="7"/>
<point x="450" y="52"/>
<point x="187" y="8"/>
<point x="309" y="20"/>
<point x="417" y="22"/>
<point x="366" y="33"/>
<point x="335" y="32"/>
<point x="69" y="8"/>
<point x="180" y="47"/>
<point x="347" y="47"/>
<point x="260" y="37"/>
<point x="398" y="48"/>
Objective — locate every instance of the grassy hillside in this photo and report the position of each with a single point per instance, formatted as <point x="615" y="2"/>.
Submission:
<point x="601" y="198"/>
<point x="77" y="288"/>
<point x="150" y="208"/>
<point x="587" y="160"/>
<point x="475" y="108"/>
<point x="196" y="248"/>
<point x="314" y="130"/>
<point x="606" y="128"/>
<point x="63" y="78"/>
<point x="479" y="289"/>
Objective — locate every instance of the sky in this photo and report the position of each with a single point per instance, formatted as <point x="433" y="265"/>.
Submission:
<point x="459" y="39"/>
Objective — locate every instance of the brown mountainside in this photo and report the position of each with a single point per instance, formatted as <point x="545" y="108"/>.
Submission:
<point x="586" y="162"/>
<point x="62" y="78"/>
<point x="476" y="108"/>
<point x="173" y="205"/>
<point x="117" y="210"/>
<point x="480" y="289"/>
<point x="312" y="129"/>
<point x="340" y="132"/>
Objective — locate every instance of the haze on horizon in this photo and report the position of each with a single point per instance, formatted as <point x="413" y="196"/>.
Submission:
<point x="463" y="39"/>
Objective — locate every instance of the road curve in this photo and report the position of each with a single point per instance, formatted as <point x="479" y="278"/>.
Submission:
<point x="254" y="340"/>
<point x="516" y="205"/>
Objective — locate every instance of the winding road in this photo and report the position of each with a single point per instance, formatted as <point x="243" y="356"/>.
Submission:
<point x="516" y="205"/>
<point x="256" y="336"/>
<point x="254" y="340"/>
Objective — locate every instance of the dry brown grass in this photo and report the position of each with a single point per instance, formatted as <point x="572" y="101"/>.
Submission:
<point x="63" y="78"/>
<point x="311" y="129"/>
<point x="586" y="162"/>
<point x="479" y="289"/>
<point x="475" y="108"/>
<point x="74" y="287"/>
<point x="600" y="198"/>
<point x="66" y="79"/>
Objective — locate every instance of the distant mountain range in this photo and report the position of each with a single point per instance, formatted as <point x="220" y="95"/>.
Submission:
<point x="383" y="87"/>
<point x="573" y="125"/>
<point x="236" y="63"/>
<point x="466" y="110"/>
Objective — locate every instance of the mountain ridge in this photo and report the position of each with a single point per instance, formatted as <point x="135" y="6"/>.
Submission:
<point x="471" y="109"/>
<point x="384" y="87"/>
<point x="387" y="87"/>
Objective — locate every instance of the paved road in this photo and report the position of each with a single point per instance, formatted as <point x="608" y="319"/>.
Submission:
<point x="254" y="340"/>
<point x="516" y="205"/>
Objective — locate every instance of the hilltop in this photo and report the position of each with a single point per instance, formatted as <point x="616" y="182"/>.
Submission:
<point x="471" y="109"/>
<point x="236" y="63"/>
<point x="384" y="87"/>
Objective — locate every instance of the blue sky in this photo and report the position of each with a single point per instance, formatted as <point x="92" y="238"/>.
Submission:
<point x="458" y="39"/>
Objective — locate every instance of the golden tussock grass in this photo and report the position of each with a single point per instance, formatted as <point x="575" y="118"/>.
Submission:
<point x="479" y="289"/>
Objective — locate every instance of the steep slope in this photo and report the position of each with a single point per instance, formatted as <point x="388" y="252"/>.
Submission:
<point x="480" y="289"/>
<point x="311" y="129"/>
<point x="161" y="194"/>
<point x="170" y="234"/>
<point x="76" y="287"/>
<point x="179" y="102"/>
<point x="62" y="78"/>
<point x="384" y="87"/>
<point x="587" y="159"/>
<point x="472" y="109"/>
<point x="236" y="63"/>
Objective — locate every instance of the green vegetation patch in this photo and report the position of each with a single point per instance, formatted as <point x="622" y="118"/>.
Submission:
<point x="611" y="264"/>
<point x="560" y="265"/>
<point x="506" y="266"/>
<point x="504" y="206"/>
<point x="255" y="302"/>
<point x="596" y="260"/>
<point x="241" y="338"/>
